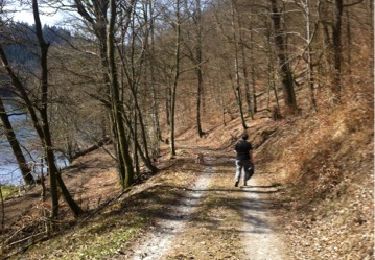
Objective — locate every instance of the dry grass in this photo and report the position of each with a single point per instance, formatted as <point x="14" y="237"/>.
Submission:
<point x="326" y="160"/>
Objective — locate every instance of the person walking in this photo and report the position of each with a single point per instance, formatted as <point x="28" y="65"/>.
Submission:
<point x="244" y="160"/>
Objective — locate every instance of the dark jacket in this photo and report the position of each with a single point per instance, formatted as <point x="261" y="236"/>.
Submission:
<point x="243" y="149"/>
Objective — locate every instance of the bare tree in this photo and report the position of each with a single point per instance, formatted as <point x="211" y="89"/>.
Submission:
<point x="175" y="78"/>
<point x="236" y="62"/>
<point x="199" y="61"/>
<point x="41" y="124"/>
<point x="285" y="71"/>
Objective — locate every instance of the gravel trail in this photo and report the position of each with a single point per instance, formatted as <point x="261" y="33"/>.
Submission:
<point x="259" y="239"/>
<point x="215" y="220"/>
<point x="157" y="243"/>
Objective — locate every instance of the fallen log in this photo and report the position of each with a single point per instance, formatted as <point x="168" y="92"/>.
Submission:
<point x="80" y="153"/>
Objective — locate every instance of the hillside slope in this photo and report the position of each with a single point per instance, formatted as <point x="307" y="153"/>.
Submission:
<point x="325" y="161"/>
<point x="321" y="163"/>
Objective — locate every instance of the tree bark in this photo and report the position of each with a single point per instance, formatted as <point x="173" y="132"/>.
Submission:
<point x="152" y="60"/>
<point x="309" y="66"/>
<point x="286" y="74"/>
<point x="349" y="47"/>
<point x="199" y="61"/>
<point x="15" y="145"/>
<point x="245" y="72"/>
<point x="52" y="170"/>
<point x="337" y="51"/>
<point x="175" y="79"/>
<point x="127" y="176"/>
<point x="236" y="66"/>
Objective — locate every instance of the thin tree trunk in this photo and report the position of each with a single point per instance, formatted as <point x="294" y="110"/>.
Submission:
<point x="252" y="69"/>
<point x="152" y="74"/>
<point x="236" y="67"/>
<point x="337" y="51"/>
<point x="168" y="106"/>
<point x="127" y="177"/>
<point x="245" y="71"/>
<point x="254" y="93"/>
<point x="2" y="208"/>
<point x="349" y="37"/>
<point x="199" y="60"/>
<point x="309" y="68"/>
<point x="175" y="80"/>
<point x="144" y="138"/>
<point x="67" y="196"/>
<point x="275" y="90"/>
<point x="52" y="171"/>
<point x="134" y="90"/>
<point x="15" y="145"/>
<point x="99" y="24"/>
<point x="136" y="145"/>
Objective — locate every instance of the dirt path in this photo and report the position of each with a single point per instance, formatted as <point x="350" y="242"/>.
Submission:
<point x="215" y="220"/>
<point x="155" y="245"/>
<point x="259" y="237"/>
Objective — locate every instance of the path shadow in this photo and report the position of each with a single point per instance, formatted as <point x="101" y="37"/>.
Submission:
<point x="239" y="190"/>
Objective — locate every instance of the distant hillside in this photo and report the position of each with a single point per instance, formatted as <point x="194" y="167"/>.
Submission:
<point x="26" y="54"/>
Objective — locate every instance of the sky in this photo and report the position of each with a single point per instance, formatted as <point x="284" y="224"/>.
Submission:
<point x="47" y="15"/>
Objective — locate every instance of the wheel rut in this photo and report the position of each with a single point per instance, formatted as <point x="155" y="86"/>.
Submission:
<point x="215" y="220"/>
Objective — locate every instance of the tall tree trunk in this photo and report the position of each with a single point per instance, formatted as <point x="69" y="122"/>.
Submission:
<point x="168" y="105"/>
<point x="286" y="74"/>
<point x="152" y="61"/>
<point x="52" y="170"/>
<point x="143" y="135"/>
<point x="253" y="89"/>
<point x="15" y="145"/>
<point x="252" y="70"/>
<point x="135" y="141"/>
<point x="309" y="66"/>
<point x="245" y="72"/>
<point x="134" y="90"/>
<point x="98" y="20"/>
<point x="199" y="60"/>
<point x="175" y="79"/>
<point x="127" y="177"/>
<point x="349" y="43"/>
<point x="337" y="51"/>
<point x="236" y="66"/>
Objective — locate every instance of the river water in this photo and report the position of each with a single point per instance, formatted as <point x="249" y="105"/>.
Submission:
<point x="10" y="173"/>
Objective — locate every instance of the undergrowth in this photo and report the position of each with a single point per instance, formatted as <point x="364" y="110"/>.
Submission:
<point x="8" y="191"/>
<point x="100" y="239"/>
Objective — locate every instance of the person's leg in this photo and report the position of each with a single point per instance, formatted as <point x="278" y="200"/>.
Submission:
<point x="251" y="170"/>
<point x="238" y="172"/>
<point x="246" y="166"/>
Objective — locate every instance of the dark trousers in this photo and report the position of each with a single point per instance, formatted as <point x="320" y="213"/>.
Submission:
<point x="247" y="167"/>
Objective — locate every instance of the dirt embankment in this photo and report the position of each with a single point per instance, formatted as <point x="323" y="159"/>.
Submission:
<point x="326" y="161"/>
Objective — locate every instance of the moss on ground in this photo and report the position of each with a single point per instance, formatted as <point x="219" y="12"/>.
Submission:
<point x="8" y="190"/>
<point x="98" y="240"/>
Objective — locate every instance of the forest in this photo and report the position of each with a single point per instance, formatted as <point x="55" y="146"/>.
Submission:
<point x="129" y="105"/>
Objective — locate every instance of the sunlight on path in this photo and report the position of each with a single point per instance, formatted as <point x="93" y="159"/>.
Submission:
<point x="259" y="240"/>
<point x="157" y="243"/>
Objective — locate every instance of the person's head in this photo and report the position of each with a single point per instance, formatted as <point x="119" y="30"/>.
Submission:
<point x="245" y="136"/>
